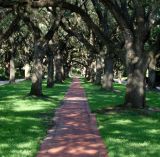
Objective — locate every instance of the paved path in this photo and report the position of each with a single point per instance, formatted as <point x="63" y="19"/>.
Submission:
<point x="75" y="133"/>
<point x="6" y="82"/>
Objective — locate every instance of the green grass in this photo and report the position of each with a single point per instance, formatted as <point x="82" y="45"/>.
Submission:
<point x="126" y="133"/>
<point x="24" y="120"/>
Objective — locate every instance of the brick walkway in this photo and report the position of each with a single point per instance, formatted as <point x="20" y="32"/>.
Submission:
<point x="75" y="133"/>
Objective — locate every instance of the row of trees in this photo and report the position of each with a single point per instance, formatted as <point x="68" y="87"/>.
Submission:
<point x="103" y="36"/>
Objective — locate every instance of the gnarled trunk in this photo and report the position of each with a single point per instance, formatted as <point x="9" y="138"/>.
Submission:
<point x="107" y="82"/>
<point x="136" y="65"/>
<point x="37" y="71"/>
<point x="135" y="89"/>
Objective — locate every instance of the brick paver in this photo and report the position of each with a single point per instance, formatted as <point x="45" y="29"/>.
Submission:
<point x="75" y="133"/>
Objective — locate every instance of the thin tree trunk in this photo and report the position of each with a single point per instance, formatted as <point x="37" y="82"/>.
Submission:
<point x="66" y="71"/>
<point x="99" y="69"/>
<point x="152" y="79"/>
<point x="50" y="79"/>
<point x="37" y="71"/>
<point x="88" y="73"/>
<point x="12" y="70"/>
<point x="27" y="70"/>
<point x="59" y="68"/>
<point x="93" y="71"/>
<point x="152" y="71"/>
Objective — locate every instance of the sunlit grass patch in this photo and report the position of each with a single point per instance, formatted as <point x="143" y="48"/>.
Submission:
<point x="125" y="133"/>
<point x="24" y="120"/>
<point x="128" y="135"/>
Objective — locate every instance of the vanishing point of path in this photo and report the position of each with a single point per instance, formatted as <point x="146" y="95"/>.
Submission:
<point x="75" y="133"/>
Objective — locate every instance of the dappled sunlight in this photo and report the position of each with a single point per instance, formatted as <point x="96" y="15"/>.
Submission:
<point x="125" y="132"/>
<point x="139" y="137"/>
<point x="75" y="133"/>
<point x="24" y="119"/>
<point x="123" y="122"/>
<point x="100" y="98"/>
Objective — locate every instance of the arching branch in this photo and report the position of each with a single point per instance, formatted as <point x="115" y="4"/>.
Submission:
<point x="14" y="26"/>
<point x="36" y="31"/>
<point x="87" y="19"/>
<point x="75" y="61"/>
<point x="79" y="36"/>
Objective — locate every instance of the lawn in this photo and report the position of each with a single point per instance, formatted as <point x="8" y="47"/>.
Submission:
<point x="125" y="133"/>
<point x="24" y="120"/>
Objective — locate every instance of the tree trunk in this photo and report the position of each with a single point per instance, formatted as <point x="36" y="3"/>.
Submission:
<point x="136" y="64"/>
<point x="50" y="79"/>
<point x="88" y="73"/>
<point x="152" y="72"/>
<point x="107" y="82"/>
<point x="66" y="71"/>
<point x="151" y="79"/>
<point x="37" y="71"/>
<point x="59" y="68"/>
<point x="27" y="70"/>
<point x="135" y="89"/>
<point x="12" y="70"/>
<point x="99" y="69"/>
<point x="93" y="71"/>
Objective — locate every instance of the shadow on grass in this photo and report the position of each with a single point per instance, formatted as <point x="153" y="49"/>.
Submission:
<point x="24" y="120"/>
<point x="126" y="133"/>
<point x="100" y="98"/>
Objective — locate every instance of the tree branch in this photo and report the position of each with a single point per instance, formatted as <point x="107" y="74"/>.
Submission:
<point x="14" y="26"/>
<point x="87" y="19"/>
<point x="79" y="36"/>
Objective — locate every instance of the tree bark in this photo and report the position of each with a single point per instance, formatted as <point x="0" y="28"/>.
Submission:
<point x="12" y="70"/>
<point x="50" y="79"/>
<point x="151" y="79"/>
<point x="107" y="82"/>
<point x="93" y="71"/>
<point x="37" y="71"/>
<point x="66" y="71"/>
<point x="59" y="68"/>
<point x="88" y="73"/>
<point x="27" y="70"/>
<point x="135" y="88"/>
<point x="99" y="69"/>
<point x="152" y="71"/>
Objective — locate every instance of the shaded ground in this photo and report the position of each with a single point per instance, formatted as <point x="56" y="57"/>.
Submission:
<point x="24" y="120"/>
<point x="75" y="133"/>
<point x="126" y="133"/>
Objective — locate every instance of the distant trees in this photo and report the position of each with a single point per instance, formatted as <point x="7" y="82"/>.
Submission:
<point x="105" y="36"/>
